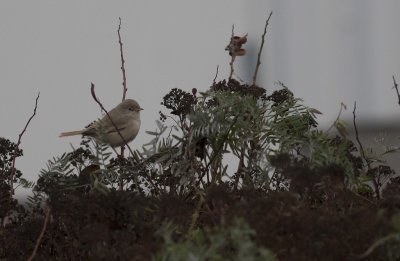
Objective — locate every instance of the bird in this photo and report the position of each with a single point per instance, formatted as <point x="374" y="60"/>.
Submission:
<point x="126" y="116"/>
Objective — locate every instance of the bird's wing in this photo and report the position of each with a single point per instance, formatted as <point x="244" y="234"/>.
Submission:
<point x="105" y="123"/>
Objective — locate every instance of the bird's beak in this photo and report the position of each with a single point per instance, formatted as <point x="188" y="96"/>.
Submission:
<point x="140" y="109"/>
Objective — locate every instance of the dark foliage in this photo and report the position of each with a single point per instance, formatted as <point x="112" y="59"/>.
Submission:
<point x="243" y="89"/>
<point x="179" y="102"/>
<point x="7" y="205"/>
<point x="122" y="225"/>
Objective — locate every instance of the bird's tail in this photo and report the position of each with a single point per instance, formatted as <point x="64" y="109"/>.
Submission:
<point x="71" y="133"/>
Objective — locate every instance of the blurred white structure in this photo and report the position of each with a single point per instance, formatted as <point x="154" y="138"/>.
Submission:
<point x="333" y="52"/>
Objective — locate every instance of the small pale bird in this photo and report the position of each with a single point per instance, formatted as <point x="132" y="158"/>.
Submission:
<point x="126" y="117"/>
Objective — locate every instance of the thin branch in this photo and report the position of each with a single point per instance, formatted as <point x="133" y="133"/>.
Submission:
<point x="362" y="151"/>
<point x="121" y="182"/>
<point x="239" y="170"/>
<point x="233" y="55"/>
<point x="342" y="105"/>
<point x="356" y="130"/>
<point x="16" y="148"/>
<point x="115" y="126"/>
<point x="261" y="47"/>
<point x="46" y="221"/>
<point x="216" y="74"/>
<point x="397" y="89"/>
<point x="122" y="61"/>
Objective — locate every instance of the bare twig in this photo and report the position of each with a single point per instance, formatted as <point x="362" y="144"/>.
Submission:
<point x="122" y="61"/>
<point x="115" y="126"/>
<point x="362" y="151"/>
<point x="16" y="148"/>
<point x="46" y="221"/>
<point x="397" y="89"/>
<point x="342" y="105"/>
<point x="240" y="168"/>
<point x="356" y="130"/>
<point x="216" y="74"/>
<point x="121" y="182"/>
<point x="233" y="55"/>
<point x="261" y="47"/>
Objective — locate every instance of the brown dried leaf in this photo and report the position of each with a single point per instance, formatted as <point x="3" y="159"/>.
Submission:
<point x="235" y="46"/>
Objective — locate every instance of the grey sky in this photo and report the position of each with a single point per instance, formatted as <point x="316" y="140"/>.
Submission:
<point x="327" y="52"/>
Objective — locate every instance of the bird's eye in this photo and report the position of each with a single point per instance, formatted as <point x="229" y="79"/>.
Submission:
<point x="130" y="108"/>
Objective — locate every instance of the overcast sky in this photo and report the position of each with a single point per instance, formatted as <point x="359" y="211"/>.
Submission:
<point x="326" y="52"/>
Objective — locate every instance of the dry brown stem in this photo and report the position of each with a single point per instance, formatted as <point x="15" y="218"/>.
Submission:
<point x="122" y="61"/>
<point x="121" y="182"/>
<point x="16" y="148"/>
<point x="397" y="89"/>
<point x="46" y="221"/>
<point x="216" y="74"/>
<point x="261" y="47"/>
<point x="362" y="152"/>
<point x="233" y="56"/>
<point x="102" y="107"/>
